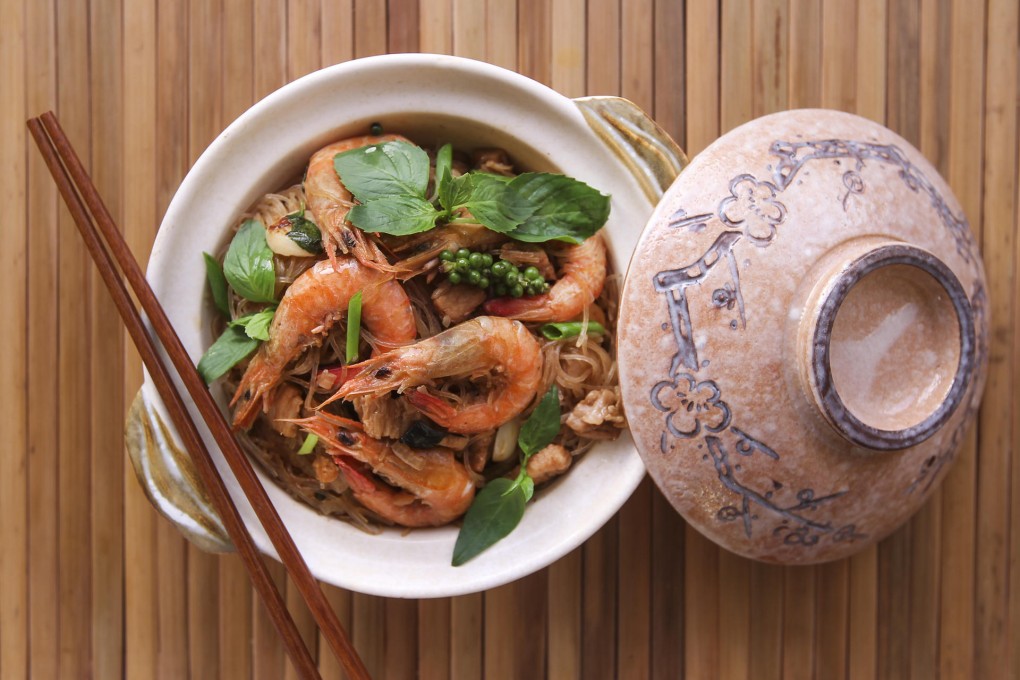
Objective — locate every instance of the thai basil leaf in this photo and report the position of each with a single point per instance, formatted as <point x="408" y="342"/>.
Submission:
<point x="383" y="171"/>
<point x="217" y="283"/>
<point x="256" y="326"/>
<point x="496" y="204"/>
<point x="304" y="233"/>
<point x="444" y="163"/>
<point x="397" y="215"/>
<point x="495" y="512"/>
<point x="505" y="179"/>
<point x="230" y="348"/>
<point x="541" y="426"/>
<point x="248" y="266"/>
<point x="444" y="190"/>
<point x="566" y="209"/>
<point x="527" y="485"/>
<point x="454" y="191"/>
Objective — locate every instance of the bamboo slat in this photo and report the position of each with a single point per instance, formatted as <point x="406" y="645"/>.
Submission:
<point x="862" y="617"/>
<point x="501" y="33"/>
<point x="633" y="604"/>
<point x="402" y="16"/>
<point x="141" y="634"/>
<point x="964" y="160"/>
<point x="771" y="56"/>
<point x="369" y="28"/>
<point x="832" y="607"/>
<point x="436" y="31"/>
<point x="434" y="626"/>
<point x="534" y="37"/>
<point x="269" y="51"/>
<point x="42" y="318"/>
<point x="1014" y="444"/>
<point x="107" y="398"/>
<point x="466" y="646"/>
<point x="401" y="640"/>
<point x="368" y="631"/>
<point x="735" y="61"/>
<point x="14" y="605"/>
<point x="94" y="583"/>
<point x="468" y="41"/>
<point x="734" y="600"/>
<point x="799" y="624"/>
<point x="765" y="610"/>
<point x="269" y="660"/>
<point x="998" y="213"/>
<point x="805" y="88"/>
<point x="74" y="339"/>
<point x="329" y="666"/>
<point x="338" y="44"/>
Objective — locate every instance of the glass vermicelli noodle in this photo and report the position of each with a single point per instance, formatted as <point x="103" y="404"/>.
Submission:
<point x="398" y="417"/>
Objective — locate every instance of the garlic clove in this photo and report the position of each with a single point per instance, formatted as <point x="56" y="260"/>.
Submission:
<point x="279" y="240"/>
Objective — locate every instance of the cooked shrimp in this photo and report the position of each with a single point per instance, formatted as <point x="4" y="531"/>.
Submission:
<point x="500" y="350"/>
<point x="330" y="201"/>
<point x="416" y="252"/>
<point x="316" y="299"/>
<point x="433" y="487"/>
<point x="583" y="273"/>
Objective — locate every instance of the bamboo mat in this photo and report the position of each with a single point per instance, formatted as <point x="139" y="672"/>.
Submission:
<point x="94" y="583"/>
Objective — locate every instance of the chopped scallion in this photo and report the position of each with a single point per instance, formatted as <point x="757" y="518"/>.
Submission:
<point x="353" y="326"/>
<point x="570" y="329"/>
<point x="309" y="444"/>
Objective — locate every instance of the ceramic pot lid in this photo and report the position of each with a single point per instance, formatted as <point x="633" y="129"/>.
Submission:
<point x="803" y="336"/>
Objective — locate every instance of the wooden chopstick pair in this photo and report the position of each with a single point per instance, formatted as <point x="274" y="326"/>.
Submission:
<point x="75" y="185"/>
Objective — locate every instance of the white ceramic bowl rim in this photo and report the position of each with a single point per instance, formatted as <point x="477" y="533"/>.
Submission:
<point x="264" y="148"/>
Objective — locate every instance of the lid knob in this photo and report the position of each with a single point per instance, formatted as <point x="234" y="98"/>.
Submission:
<point x="885" y="342"/>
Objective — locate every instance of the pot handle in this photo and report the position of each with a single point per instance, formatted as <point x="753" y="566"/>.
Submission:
<point x="645" y="149"/>
<point x="169" y="479"/>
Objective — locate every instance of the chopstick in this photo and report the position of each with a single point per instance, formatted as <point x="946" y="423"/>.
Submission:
<point x="72" y="179"/>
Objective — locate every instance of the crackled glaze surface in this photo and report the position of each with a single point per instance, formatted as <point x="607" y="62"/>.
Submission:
<point x="721" y="396"/>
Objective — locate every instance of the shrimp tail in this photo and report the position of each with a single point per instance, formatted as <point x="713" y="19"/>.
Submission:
<point x="431" y="405"/>
<point x="360" y="482"/>
<point x="517" y="308"/>
<point x="254" y="393"/>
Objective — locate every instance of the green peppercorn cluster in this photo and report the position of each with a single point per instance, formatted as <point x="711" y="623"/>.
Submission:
<point x="501" y="276"/>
